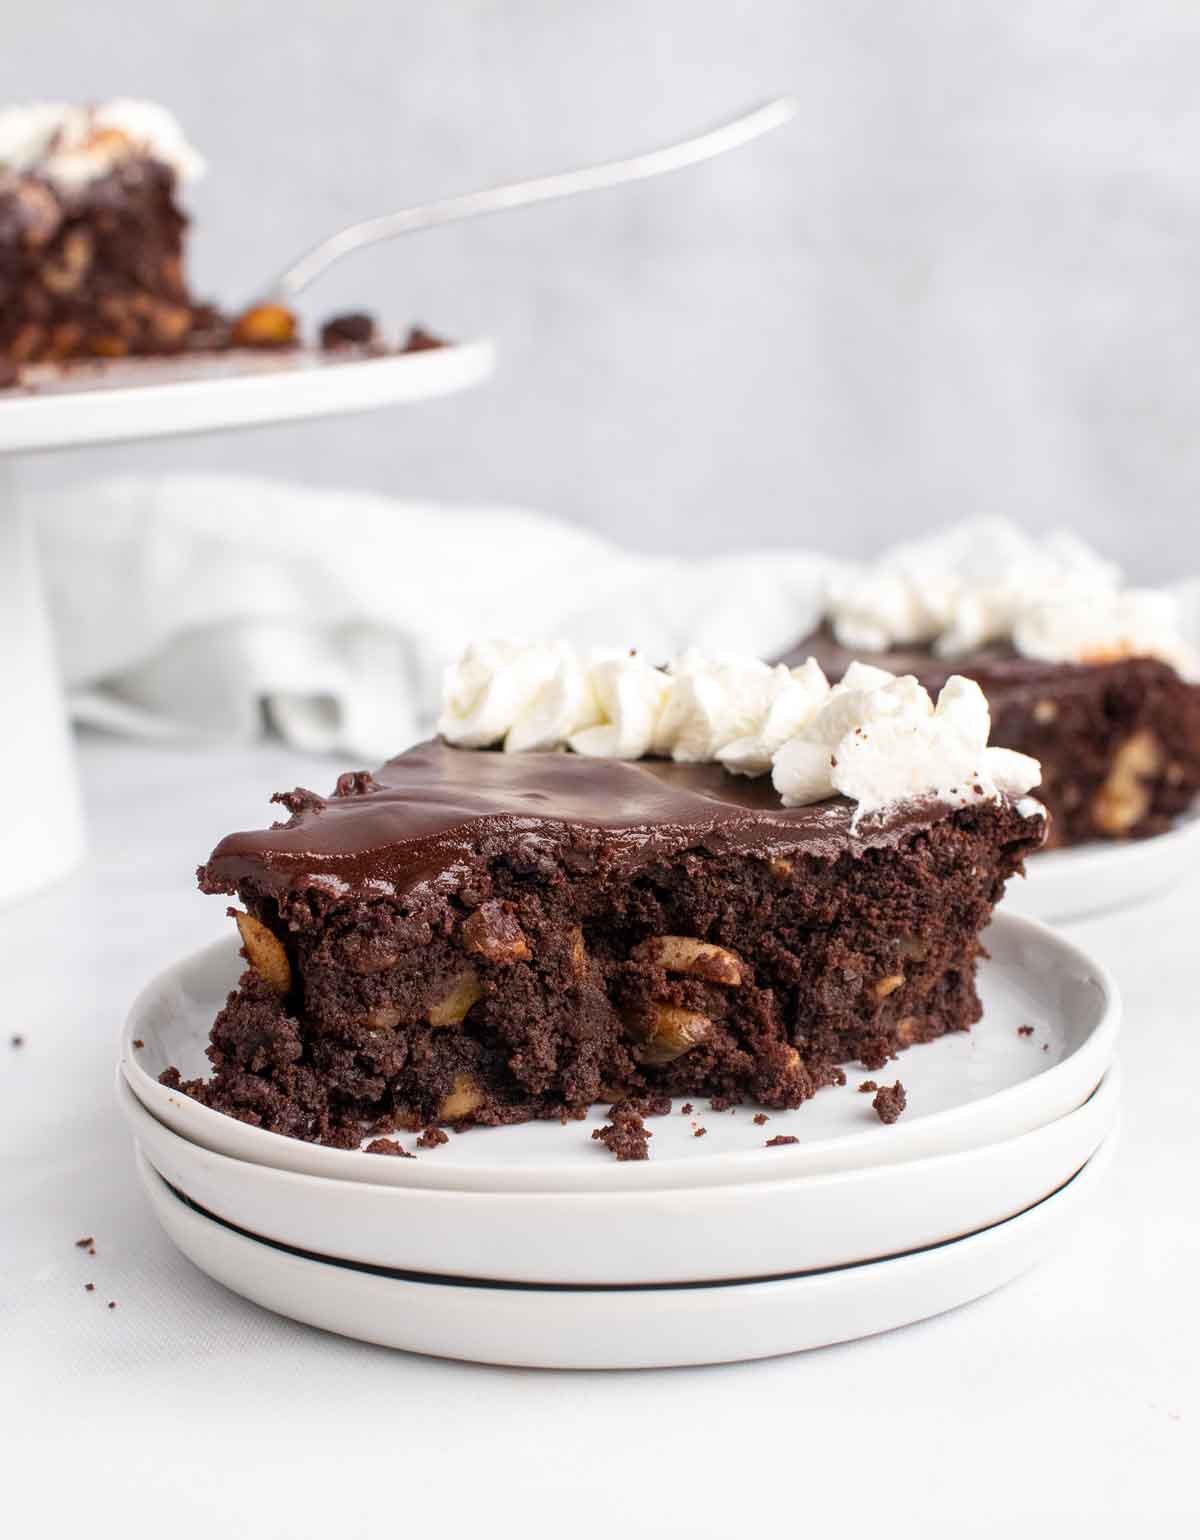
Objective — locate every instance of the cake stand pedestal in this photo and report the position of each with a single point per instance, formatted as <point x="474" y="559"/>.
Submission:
<point x="41" y="820"/>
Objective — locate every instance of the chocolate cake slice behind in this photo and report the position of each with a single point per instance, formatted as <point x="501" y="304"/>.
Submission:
<point x="1118" y="741"/>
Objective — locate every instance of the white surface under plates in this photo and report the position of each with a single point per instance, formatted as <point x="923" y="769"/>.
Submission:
<point x="965" y="1090"/>
<point x="148" y="398"/>
<point x="1067" y="1401"/>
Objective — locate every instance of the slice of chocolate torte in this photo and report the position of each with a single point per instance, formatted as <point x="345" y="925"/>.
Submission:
<point x="91" y="233"/>
<point x="1098" y="681"/>
<point x="774" y="878"/>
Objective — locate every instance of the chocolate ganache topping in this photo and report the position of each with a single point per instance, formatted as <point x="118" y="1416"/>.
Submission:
<point x="434" y="810"/>
<point x="999" y="670"/>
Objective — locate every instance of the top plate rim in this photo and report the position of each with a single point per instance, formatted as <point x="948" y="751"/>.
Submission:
<point x="1046" y="1093"/>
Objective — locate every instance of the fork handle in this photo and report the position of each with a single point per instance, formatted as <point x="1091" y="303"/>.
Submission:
<point x="511" y="195"/>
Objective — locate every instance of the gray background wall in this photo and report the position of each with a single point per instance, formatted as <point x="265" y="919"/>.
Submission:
<point x="965" y="280"/>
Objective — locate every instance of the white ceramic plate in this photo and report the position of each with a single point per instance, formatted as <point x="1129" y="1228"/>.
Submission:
<point x="964" y="1091"/>
<point x="1067" y="884"/>
<point x="146" y="398"/>
<point x="637" y="1328"/>
<point x="683" y="1236"/>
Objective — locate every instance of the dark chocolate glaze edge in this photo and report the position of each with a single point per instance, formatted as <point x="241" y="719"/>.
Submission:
<point x="433" y="811"/>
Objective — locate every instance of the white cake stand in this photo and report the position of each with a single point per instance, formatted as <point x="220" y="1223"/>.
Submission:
<point x="41" y="824"/>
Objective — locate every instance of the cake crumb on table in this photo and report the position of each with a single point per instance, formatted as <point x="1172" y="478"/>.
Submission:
<point x="627" y="1136"/>
<point x="89" y="1288"/>
<point x="699" y="1133"/>
<point x="1024" y="1031"/>
<point x="389" y="1147"/>
<point x="890" y="1101"/>
<point x="432" y="1137"/>
<point x="112" y="1304"/>
<point x="868" y="1085"/>
<point x="760" y="1118"/>
<point x="86" y="1243"/>
<point x="138" y="1043"/>
<point x="773" y="1144"/>
<point x="687" y="1109"/>
<point x="17" y="1040"/>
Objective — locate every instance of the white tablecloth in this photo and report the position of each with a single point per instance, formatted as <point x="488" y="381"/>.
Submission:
<point x="186" y="1412"/>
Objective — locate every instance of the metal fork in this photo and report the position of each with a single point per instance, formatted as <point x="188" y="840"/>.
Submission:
<point x="512" y="195"/>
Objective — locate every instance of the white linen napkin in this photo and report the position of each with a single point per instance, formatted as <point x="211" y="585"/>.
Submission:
<point x="212" y="606"/>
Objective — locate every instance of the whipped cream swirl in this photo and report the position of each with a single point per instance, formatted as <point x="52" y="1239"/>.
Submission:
<point x="880" y="741"/>
<point x="874" y="738"/>
<point x="71" y="145"/>
<point x="987" y="581"/>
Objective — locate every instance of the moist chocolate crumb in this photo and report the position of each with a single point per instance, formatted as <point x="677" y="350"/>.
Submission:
<point x="112" y="1304"/>
<point x="137" y="1043"/>
<point x="354" y="329"/>
<point x="89" y="1288"/>
<point x="687" y="1109"/>
<point x="421" y="341"/>
<point x="699" y="1133"/>
<point x="389" y="1147"/>
<point x="432" y="1137"/>
<point x="890" y="1102"/>
<point x="627" y="1136"/>
<point x="760" y="1118"/>
<point x="646" y="1106"/>
<point x="17" y="1040"/>
<point x="773" y="1144"/>
<point x="355" y="783"/>
<point x="868" y="1085"/>
<point x="1024" y="1031"/>
<point x="720" y="1103"/>
<point x="86" y="1242"/>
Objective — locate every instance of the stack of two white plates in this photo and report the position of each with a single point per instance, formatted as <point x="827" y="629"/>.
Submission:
<point x="532" y="1246"/>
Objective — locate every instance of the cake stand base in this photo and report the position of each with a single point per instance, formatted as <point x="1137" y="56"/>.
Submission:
<point x="41" y="822"/>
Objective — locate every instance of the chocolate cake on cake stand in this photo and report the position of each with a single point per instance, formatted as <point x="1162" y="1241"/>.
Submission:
<point x="130" y="401"/>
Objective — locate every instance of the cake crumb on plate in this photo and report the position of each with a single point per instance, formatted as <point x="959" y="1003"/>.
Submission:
<point x="890" y="1102"/>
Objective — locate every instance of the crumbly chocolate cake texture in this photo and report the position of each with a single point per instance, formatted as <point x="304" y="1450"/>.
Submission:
<point x="475" y="937"/>
<point x="1118" y="741"/>
<point x="388" y="1147"/>
<point x="890" y="1101"/>
<point x="353" y="329"/>
<point x="94" y="270"/>
<point x="627" y="1136"/>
